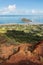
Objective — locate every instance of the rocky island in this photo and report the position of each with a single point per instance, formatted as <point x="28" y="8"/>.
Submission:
<point x="26" y="20"/>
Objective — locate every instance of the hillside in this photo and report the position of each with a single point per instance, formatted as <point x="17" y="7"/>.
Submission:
<point x="21" y="44"/>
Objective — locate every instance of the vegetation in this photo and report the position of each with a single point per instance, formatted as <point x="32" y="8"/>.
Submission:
<point x="16" y="34"/>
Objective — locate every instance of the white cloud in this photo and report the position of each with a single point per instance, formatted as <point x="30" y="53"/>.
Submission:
<point x="29" y="12"/>
<point x="22" y="12"/>
<point x="33" y="11"/>
<point x="37" y="11"/>
<point x="11" y="7"/>
<point x="8" y="9"/>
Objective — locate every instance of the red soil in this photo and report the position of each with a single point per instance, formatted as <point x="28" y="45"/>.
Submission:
<point x="23" y="55"/>
<point x="39" y="48"/>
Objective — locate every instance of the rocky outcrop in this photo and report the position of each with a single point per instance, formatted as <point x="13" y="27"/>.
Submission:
<point x="26" y="20"/>
<point x="21" y="54"/>
<point x="39" y="48"/>
<point x="7" y="51"/>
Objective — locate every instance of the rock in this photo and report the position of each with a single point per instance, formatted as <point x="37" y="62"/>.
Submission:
<point x="1" y="60"/>
<point x="19" y="53"/>
<point x="7" y="51"/>
<point x="26" y="20"/>
<point x="39" y="49"/>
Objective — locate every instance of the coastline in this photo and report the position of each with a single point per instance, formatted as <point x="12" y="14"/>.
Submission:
<point x="20" y="24"/>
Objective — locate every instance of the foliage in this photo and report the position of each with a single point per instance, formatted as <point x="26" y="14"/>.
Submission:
<point x="12" y="34"/>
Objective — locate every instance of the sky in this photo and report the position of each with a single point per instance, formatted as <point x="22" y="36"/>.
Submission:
<point x="21" y="7"/>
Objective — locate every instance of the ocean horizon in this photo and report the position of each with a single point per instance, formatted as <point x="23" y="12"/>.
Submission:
<point x="16" y="19"/>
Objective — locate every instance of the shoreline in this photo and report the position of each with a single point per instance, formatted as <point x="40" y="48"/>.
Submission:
<point x="20" y="24"/>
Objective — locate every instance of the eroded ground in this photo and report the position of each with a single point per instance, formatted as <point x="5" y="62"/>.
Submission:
<point x="21" y="54"/>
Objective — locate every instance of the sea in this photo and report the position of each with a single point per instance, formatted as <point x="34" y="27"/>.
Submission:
<point x="17" y="19"/>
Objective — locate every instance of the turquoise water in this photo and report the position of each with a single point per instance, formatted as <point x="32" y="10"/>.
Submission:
<point x="16" y="19"/>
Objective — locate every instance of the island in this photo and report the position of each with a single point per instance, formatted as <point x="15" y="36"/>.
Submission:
<point x="26" y="20"/>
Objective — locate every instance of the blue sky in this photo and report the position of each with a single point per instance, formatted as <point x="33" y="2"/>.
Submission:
<point x="21" y="7"/>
